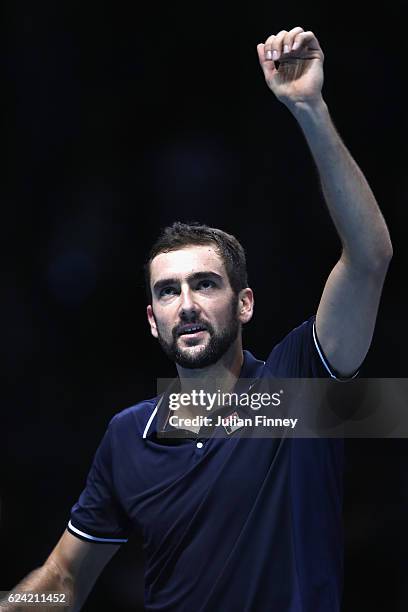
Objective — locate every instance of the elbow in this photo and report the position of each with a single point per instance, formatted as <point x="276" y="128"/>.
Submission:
<point x="390" y="251"/>
<point x="383" y="259"/>
<point x="379" y="265"/>
<point x="387" y="248"/>
<point x="378" y="260"/>
<point x="375" y="262"/>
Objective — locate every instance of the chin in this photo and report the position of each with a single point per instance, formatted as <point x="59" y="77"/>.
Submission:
<point x="194" y="360"/>
<point x="193" y="352"/>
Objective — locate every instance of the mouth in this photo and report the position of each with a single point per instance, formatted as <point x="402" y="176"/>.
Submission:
<point x="192" y="331"/>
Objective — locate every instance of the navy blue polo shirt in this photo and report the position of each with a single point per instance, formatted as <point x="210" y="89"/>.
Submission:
<point x="229" y="524"/>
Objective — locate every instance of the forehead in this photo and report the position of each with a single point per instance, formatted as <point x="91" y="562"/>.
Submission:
<point x="186" y="261"/>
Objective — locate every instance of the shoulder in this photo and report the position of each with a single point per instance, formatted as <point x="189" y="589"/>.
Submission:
<point x="297" y="334"/>
<point x="295" y="338"/>
<point x="299" y="355"/>
<point x="296" y="354"/>
<point x="133" y="418"/>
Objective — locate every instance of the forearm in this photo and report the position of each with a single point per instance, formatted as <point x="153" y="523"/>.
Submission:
<point x="48" y="579"/>
<point x="351" y="203"/>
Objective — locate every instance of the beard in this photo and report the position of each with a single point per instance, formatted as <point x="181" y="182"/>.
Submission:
<point x="209" y="354"/>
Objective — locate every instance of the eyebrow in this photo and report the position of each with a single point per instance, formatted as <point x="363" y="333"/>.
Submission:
<point x="191" y="278"/>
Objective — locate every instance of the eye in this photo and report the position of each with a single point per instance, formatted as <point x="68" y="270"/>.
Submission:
<point x="167" y="291"/>
<point x="206" y="284"/>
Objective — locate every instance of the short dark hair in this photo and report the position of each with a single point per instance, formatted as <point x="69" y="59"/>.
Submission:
<point x="180" y="235"/>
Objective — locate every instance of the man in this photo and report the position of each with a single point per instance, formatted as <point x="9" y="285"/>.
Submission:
<point x="235" y="524"/>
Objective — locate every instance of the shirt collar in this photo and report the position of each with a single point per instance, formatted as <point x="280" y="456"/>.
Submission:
<point x="250" y="372"/>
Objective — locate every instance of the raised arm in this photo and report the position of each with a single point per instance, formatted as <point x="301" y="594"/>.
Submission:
<point x="348" y="307"/>
<point x="72" y="569"/>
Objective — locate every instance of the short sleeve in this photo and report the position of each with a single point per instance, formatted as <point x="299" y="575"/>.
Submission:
<point x="299" y="355"/>
<point x="98" y="515"/>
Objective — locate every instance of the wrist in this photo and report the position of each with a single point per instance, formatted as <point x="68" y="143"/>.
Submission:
<point x="309" y="110"/>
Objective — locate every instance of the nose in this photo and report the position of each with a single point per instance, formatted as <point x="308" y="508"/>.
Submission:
<point x="189" y="308"/>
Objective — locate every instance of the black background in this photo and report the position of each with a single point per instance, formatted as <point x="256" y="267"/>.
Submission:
<point x="119" y="118"/>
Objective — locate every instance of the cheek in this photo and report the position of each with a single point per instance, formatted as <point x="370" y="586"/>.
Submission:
<point x="225" y="314"/>
<point x="163" y="323"/>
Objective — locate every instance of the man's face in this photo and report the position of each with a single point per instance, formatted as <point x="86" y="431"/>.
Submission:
<point x="194" y="311"/>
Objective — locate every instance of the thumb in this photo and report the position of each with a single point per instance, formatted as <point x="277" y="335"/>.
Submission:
<point x="267" y="65"/>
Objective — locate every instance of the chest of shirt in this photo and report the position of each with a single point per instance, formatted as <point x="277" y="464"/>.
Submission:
<point x="162" y="485"/>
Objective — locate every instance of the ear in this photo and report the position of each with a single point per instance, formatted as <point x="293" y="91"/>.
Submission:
<point x="245" y="305"/>
<point x="152" y="321"/>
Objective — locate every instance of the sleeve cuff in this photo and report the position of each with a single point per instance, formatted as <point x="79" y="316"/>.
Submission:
<point x="329" y="369"/>
<point x="82" y="535"/>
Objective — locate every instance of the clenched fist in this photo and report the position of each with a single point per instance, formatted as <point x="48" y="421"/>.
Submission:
<point x="299" y="76"/>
